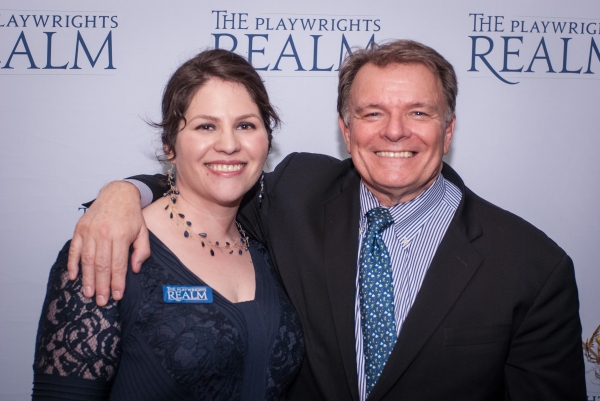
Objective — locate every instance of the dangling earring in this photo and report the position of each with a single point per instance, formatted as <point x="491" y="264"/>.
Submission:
<point x="262" y="189"/>
<point x="171" y="180"/>
<point x="171" y="173"/>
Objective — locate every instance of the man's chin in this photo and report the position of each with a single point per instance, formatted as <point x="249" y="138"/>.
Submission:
<point x="397" y="188"/>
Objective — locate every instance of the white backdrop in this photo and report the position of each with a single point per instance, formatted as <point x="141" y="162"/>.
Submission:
<point x="527" y="134"/>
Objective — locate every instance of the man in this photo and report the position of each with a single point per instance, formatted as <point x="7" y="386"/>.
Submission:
<point x="409" y="286"/>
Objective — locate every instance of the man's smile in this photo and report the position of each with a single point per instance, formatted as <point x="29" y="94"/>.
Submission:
<point x="404" y="155"/>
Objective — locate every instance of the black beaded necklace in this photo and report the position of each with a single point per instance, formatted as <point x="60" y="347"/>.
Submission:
<point x="188" y="232"/>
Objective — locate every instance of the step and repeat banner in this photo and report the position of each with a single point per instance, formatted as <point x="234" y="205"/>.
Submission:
<point x="79" y="81"/>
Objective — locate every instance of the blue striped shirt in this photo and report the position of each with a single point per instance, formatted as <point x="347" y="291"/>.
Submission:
<point x="419" y="226"/>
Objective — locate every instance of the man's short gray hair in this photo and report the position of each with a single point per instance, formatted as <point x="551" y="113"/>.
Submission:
<point x="399" y="52"/>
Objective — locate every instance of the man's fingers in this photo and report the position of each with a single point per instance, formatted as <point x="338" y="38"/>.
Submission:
<point x="101" y="240"/>
<point x="120" y="253"/>
<point x="74" y="256"/>
<point x="88" y="258"/>
<point x="102" y="266"/>
<point x="141" y="249"/>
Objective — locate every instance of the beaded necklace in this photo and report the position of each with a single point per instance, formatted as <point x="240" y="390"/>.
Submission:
<point x="188" y="232"/>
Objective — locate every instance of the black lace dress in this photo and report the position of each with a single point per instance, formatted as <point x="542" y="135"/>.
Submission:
<point x="142" y="348"/>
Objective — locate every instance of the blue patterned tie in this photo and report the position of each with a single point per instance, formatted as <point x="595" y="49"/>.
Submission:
<point x="376" y="296"/>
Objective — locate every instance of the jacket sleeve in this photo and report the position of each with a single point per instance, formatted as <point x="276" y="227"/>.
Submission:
<point x="157" y="184"/>
<point x="545" y="360"/>
<point x="253" y="213"/>
<point x="249" y="213"/>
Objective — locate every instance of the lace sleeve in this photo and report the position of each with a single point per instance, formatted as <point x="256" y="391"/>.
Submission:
<point x="76" y="339"/>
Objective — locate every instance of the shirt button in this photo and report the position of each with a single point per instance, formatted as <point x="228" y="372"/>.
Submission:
<point x="405" y="241"/>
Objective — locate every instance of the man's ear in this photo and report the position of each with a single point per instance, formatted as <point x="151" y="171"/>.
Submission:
<point x="448" y="134"/>
<point x="345" y="132"/>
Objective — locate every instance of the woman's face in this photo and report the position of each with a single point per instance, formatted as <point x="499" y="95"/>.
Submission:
<point x="223" y="147"/>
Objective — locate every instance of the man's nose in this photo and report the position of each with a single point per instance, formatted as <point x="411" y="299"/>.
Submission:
<point x="396" y="128"/>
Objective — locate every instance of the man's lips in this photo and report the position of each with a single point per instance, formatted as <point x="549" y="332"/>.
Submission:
<point x="404" y="155"/>
<point x="225" y="167"/>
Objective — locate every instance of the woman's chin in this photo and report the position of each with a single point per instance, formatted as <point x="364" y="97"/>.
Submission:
<point x="227" y="201"/>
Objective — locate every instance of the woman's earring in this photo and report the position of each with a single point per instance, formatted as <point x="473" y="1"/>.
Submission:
<point x="262" y="189"/>
<point x="171" y="177"/>
<point x="172" y="192"/>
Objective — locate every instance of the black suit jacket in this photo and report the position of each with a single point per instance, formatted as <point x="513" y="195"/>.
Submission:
<point x="496" y="317"/>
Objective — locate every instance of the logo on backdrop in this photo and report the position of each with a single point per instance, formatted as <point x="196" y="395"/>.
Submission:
<point x="513" y="48"/>
<point x="591" y="349"/>
<point x="292" y="43"/>
<point x="61" y="41"/>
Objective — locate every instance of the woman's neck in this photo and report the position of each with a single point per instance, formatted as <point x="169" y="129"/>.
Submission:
<point x="206" y="215"/>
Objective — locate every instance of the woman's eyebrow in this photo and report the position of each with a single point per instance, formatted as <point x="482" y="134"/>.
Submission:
<point x="204" y="116"/>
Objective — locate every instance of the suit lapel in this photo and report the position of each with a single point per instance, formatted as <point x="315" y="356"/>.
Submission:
<point x="340" y="253"/>
<point x="453" y="266"/>
<point x="451" y="269"/>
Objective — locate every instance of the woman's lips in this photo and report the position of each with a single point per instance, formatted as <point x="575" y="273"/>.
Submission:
<point x="225" y="168"/>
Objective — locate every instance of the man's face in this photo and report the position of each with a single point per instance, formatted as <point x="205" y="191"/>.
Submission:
<point x="397" y="131"/>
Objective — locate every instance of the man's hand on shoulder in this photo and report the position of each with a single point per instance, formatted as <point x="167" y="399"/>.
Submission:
<point x="102" y="238"/>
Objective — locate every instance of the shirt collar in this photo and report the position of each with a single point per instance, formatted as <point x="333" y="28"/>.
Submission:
<point x="408" y="216"/>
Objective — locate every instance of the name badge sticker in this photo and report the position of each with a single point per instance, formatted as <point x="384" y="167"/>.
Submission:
<point x="183" y="294"/>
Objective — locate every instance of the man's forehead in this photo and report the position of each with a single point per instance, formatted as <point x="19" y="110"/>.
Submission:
<point x="371" y="84"/>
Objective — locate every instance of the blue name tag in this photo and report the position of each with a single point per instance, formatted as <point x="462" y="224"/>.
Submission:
<point x="176" y="294"/>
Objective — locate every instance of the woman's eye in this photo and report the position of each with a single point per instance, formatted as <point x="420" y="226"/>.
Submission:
<point x="246" y="126"/>
<point x="206" y="127"/>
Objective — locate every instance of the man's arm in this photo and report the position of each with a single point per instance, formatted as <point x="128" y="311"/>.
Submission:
<point x="546" y="358"/>
<point x="249" y="214"/>
<point x="254" y="210"/>
<point x="103" y="235"/>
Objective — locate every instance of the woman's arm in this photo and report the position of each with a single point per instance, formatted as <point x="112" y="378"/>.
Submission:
<point x="78" y="343"/>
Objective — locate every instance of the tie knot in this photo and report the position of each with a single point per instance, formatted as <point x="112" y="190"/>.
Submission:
<point x="379" y="219"/>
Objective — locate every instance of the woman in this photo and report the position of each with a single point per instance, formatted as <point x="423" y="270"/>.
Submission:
<point x="207" y="319"/>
